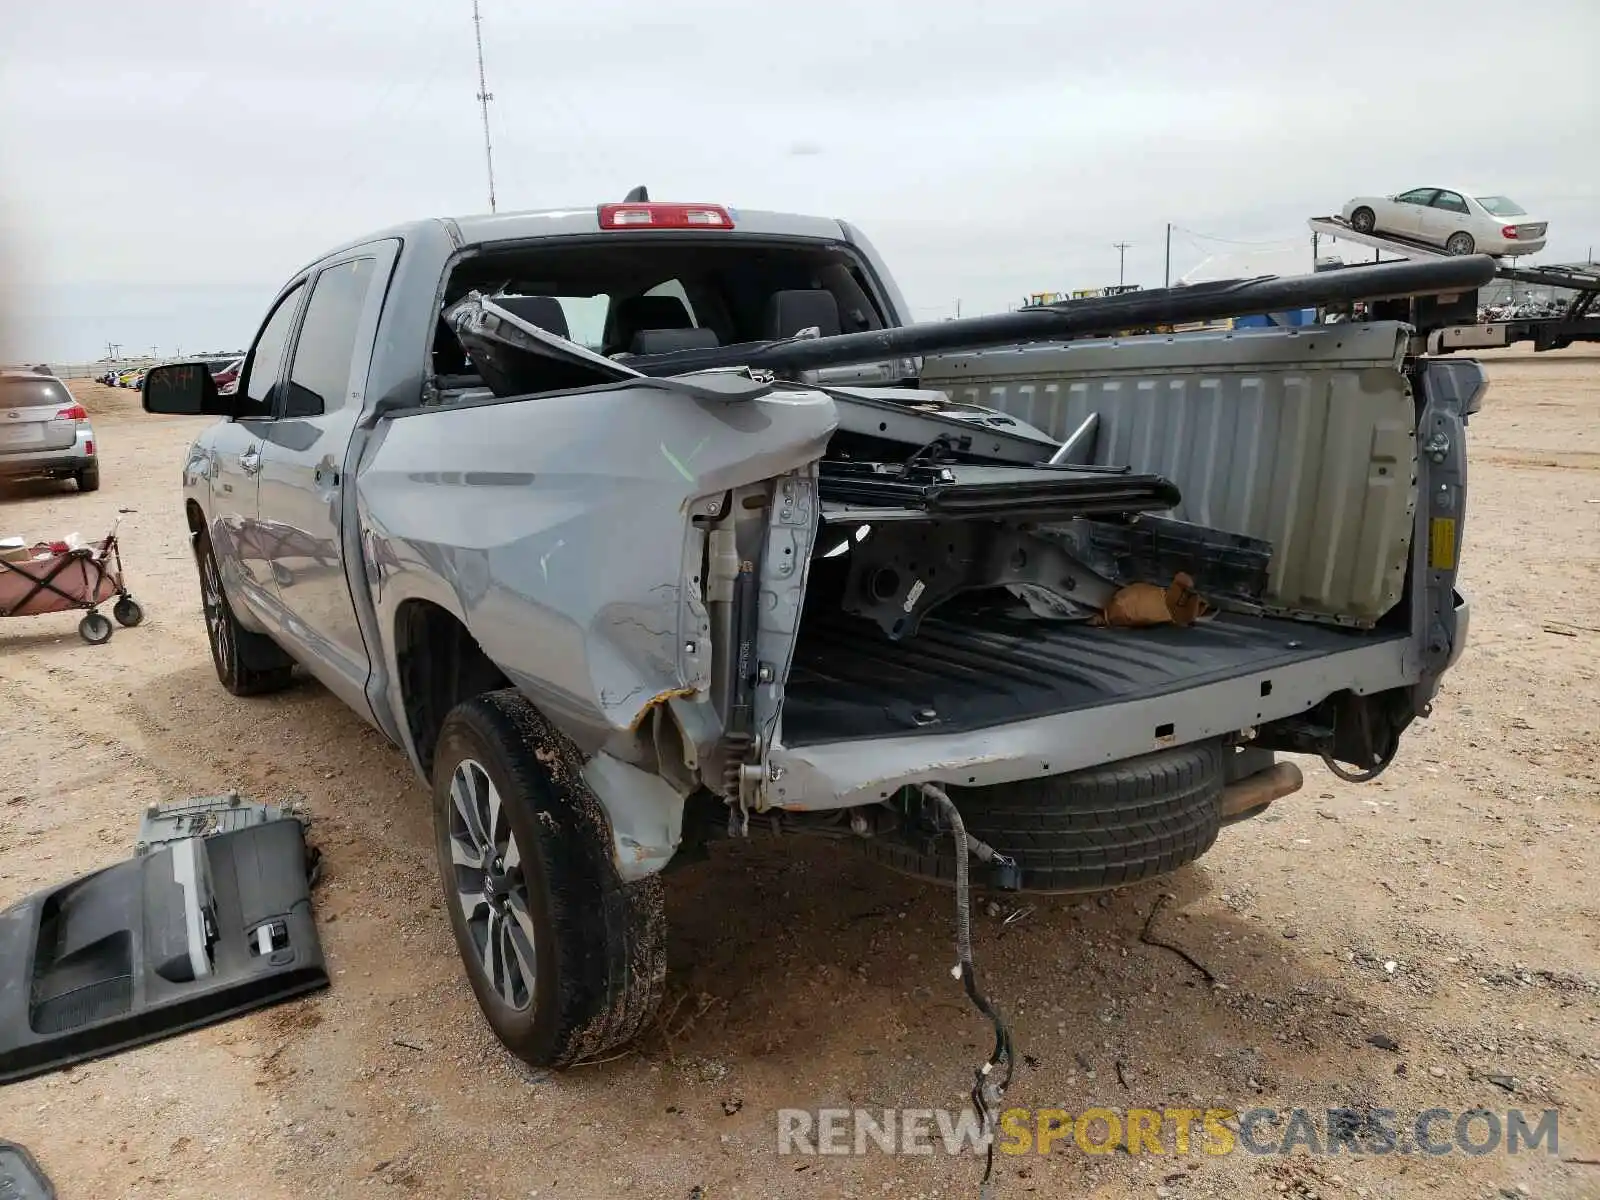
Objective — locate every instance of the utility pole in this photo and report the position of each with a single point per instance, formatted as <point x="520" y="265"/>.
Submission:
<point x="1122" y="253"/>
<point x="484" y="96"/>
<point x="1166" y="272"/>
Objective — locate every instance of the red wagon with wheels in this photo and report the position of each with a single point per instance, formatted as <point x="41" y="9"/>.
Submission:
<point x="55" y="577"/>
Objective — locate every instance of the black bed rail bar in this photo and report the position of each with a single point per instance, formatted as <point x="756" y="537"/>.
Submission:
<point x="1096" y="316"/>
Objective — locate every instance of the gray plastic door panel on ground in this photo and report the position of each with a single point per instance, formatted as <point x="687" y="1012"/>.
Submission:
<point x="182" y="936"/>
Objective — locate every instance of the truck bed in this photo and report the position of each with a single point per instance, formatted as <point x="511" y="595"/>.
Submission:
<point x="850" y="682"/>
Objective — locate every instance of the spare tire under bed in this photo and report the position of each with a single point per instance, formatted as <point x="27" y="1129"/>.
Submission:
<point x="1085" y="831"/>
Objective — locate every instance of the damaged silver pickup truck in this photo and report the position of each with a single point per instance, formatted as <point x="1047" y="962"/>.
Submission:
<point x="644" y="524"/>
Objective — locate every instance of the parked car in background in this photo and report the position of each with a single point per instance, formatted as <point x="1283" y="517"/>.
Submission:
<point x="45" y="432"/>
<point x="1462" y="222"/>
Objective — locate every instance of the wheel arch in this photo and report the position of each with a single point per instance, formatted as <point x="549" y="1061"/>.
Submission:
<point x="195" y="516"/>
<point x="438" y="664"/>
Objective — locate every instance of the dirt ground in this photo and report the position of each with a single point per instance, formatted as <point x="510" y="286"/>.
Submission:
<point x="1449" y="907"/>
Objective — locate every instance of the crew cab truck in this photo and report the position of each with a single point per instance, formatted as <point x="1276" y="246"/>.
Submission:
<point x="611" y="609"/>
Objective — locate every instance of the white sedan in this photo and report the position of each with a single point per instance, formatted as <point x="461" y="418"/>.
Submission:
<point x="1459" y="221"/>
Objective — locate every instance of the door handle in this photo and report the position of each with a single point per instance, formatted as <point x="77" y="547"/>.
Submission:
<point x="250" y="461"/>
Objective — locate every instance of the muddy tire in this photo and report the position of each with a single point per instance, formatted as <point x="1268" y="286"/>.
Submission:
<point x="248" y="664"/>
<point x="1087" y="831"/>
<point x="566" y="959"/>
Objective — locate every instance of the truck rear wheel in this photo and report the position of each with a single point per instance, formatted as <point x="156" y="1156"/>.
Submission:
<point x="567" y="960"/>
<point x="1089" y="830"/>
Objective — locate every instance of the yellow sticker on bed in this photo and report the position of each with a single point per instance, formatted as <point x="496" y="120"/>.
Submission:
<point x="1442" y="543"/>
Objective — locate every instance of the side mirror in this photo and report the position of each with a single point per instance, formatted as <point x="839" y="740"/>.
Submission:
<point x="184" y="390"/>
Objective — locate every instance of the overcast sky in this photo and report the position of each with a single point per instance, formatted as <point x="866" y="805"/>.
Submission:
<point x="167" y="164"/>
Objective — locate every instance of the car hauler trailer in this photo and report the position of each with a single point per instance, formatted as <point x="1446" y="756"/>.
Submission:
<point x="1442" y="327"/>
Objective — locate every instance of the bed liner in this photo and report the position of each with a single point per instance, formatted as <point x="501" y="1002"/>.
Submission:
<point x="850" y="683"/>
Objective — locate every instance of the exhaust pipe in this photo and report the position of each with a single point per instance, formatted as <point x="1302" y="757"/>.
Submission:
<point x="1251" y="796"/>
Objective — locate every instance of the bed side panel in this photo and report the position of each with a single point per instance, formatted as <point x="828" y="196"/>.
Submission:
<point x="557" y="529"/>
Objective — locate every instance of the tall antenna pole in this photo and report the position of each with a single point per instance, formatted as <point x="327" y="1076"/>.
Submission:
<point x="1122" y="250"/>
<point x="484" y="96"/>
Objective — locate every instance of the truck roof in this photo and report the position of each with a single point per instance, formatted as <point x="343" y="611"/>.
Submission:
<point x="481" y="229"/>
<point x="555" y="222"/>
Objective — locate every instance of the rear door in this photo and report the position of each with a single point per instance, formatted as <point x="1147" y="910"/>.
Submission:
<point x="235" y="466"/>
<point x="303" y="466"/>
<point x="1446" y="215"/>
<point x="30" y="416"/>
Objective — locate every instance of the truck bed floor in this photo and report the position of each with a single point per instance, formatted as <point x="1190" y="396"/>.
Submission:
<point x="849" y="681"/>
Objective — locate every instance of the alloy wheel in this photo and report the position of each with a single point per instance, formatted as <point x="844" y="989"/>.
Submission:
<point x="215" y="612"/>
<point x="490" y="885"/>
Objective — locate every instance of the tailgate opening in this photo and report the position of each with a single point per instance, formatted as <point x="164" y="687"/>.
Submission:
<point x="986" y="658"/>
<point x="958" y="586"/>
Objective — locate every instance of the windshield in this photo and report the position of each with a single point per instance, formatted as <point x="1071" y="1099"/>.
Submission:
<point x="1502" y="207"/>
<point x="32" y="393"/>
